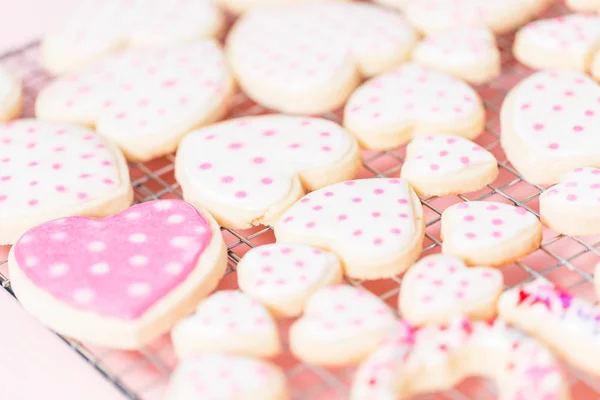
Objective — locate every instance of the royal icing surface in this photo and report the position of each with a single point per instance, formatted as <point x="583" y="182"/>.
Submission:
<point x="411" y="361"/>
<point x="433" y="156"/>
<point x="442" y="286"/>
<point x="360" y="220"/>
<point x="251" y="163"/>
<point x="117" y="266"/>
<point x="142" y="94"/>
<point x="580" y="187"/>
<point x="484" y="223"/>
<point x="46" y="167"/>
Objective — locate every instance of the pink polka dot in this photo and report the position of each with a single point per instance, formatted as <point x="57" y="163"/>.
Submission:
<point x="33" y="202"/>
<point x="443" y="153"/>
<point x="589" y="113"/>
<point x="434" y="167"/>
<point x="403" y="215"/>
<point x="521" y="211"/>
<point x="82" y="195"/>
<point x="326" y="148"/>
<point x="492" y="207"/>
<point x="328" y="194"/>
<point x="305" y="200"/>
<point x="497" y="222"/>
<point x="469" y="218"/>
<point x="342" y="217"/>
<point x="451" y="140"/>
<point x="376" y="214"/>
<point x="595" y="186"/>
<point x="577" y="128"/>
<point x="235" y="146"/>
<point x="356" y="200"/>
<point x="596" y="171"/>
<point x="325" y="134"/>
<point x="106" y="163"/>
<point x="227" y="179"/>
<point x="538" y="127"/>
<point x="571" y="184"/>
<point x="497" y="234"/>
<point x="269" y="132"/>
<point x="311" y="224"/>
<point x="288" y="219"/>
<point x="462" y="205"/>
<point x="294" y="145"/>
<point x="5" y="178"/>
<point x="470" y="235"/>
<point x="56" y="166"/>
<point x="33" y="183"/>
<point x="205" y="166"/>
<point x="349" y="183"/>
<point x="266" y="181"/>
<point x="402" y="201"/>
<point x="465" y="160"/>
<point x="396" y="231"/>
<point x="572" y="197"/>
<point x="557" y="107"/>
<point x="84" y="176"/>
<point x="60" y="188"/>
<point x="377" y="241"/>
<point x="108" y="181"/>
<point x="258" y="160"/>
<point x="357" y="232"/>
<point x="241" y="194"/>
<point x="378" y="191"/>
<point x="317" y="208"/>
<point x="3" y="197"/>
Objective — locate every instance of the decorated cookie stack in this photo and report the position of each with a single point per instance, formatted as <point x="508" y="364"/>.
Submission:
<point x="347" y="84"/>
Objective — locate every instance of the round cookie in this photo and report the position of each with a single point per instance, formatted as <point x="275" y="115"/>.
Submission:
<point x="249" y="171"/>
<point x="50" y="170"/>
<point x="307" y="59"/>
<point x="467" y="53"/>
<point x="284" y="276"/>
<point x="565" y="42"/>
<point x="439" y="165"/>
<point x="489" y="233"/>
<point x="10" y="96"/>
<point x="120" y="281"/>
<point x="391" y="109"/>
<point x="94" y="29"/>
<point x="144" y="100"/>
<point x="550" y="124"/>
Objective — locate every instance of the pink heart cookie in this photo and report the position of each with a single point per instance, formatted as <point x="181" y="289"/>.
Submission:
<point x="284" y="276"/>
<point x="144" y="100"/>
<point x="550" y="124"/>
<point x="572" y="207"/>
<point x="120" y="281"/>
<point x="440" y="287"/>
<point x="221" y="376"/>
<point x="341" y="325"/>
<point x="249" y="171"/>
<point x="228" y="321"/>
<point x="375" y="226"/>
<point x="50" y="170"/>
<point x="438" y="165"/>
<point x="489" y="233"/>
<point x="565" y="42"/>
<point x="391" y="109"/>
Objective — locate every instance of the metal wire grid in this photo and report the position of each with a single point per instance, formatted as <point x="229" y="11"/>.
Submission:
<point x="565" y="260"/>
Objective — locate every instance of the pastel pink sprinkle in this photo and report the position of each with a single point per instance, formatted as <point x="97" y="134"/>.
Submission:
<point x="328" y="194"/>
<point x="538" y="127"/>
<point x="589" y="113"/>
<point x="227" y="179"/>
<point x="269" y="133"/>
<point x="258" y="160"/>
<point x="557" y="107"/>
<point x="342" y="217"/>
<point x="443" y="153"/>
<point x="465" y="160"/>
<point x="377" y="241"/>
<point x="356" y="200"/>
<point x="572" y="197"/>
<point x="402" y="201"/>
<point x="492" y="207"/>
<point x="378" y="191"/>
<point x="288" y="219"/>
<point x="497" y="222"/>
<point x="396" y="231"/>
<point x="266" y="181"/>
<point x="376" y="214"/>
<point x="311" y="224"/>
<point x="451" y="140"/>
<point x="577" y="128"/>
<point x="469" y="218"/>
<point x="60" y="188"/>
<point x="235" y="146"/>
<point x="470" y="235"/>
<point x="357" y="232"/>
<point x="497" y="234"/>
<point x="317" y="208"/>
<point x="241" y="194"/>
<point x="326" y="148"/>
<point x="434" y="167"/>
<point x="33" y="202"/>
<point x="82" y="195"/>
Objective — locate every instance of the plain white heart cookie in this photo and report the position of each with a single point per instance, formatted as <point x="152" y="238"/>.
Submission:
<point x="341" y="325"/>
<point x="94" y="29"/>
<point x="572" y="207"/>
<point x="440" y="287"/>
<point x="52" y="170"/>
<point x="144" y="100"/>
<point x="467" y="53"/>
<point x="551" y="125"/>
<point x="284" y="276"/>
<point x="489" y="233"/>
<point x="307" y="59"/>
<point x="567" y="42"/>
<point x="437" y="357"/>
<point x="551" y="315"/>
<point x="230" y="322"/>
<point x="390" y="109"/>
<point x="438" y="165"/>
<point x="222" y="376"/>
<point x="375" y="226"/>
<point x="249" y="171"/>
<point x="10" y="95"/>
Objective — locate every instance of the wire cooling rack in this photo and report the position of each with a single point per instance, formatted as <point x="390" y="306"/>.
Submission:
<point x="566" y="260"/>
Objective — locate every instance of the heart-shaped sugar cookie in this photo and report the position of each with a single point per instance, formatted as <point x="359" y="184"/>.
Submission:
<point x="440" y="287"/>
<point x="221" y="376"/>
<point x="144" y="100"/>
<point x="567" y="42"/>
<point x="248" y="171"/>
<point x="230" y="322"/>
<point x="10" y="95"/>
<point x="374" y="225"/>
<point x="284" y="276"/>
<point x="341" y="325"/>
<point x="551" y="124"/>
<point x="438" y="165"/>
<point x="572" y="207"/>
<point x="51" y="170"/>
<point x="489" y="233"/>
<point x="120" y="281"/>
<point x="390" y="109"/>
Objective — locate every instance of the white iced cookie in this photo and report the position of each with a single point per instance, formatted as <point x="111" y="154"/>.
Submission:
<point x="501" y="16"/>
<point x="222" y="376"/>
<point x="242" y="6"/>
<point x="439" y="165"/>
<point x="341" y="325"/>
<point x="229" y="322"/>
<point x="551" y="315"/>
<point x="583" y="5"/>
<point x="390" y="109"/>
<point x="467" y="53"/>
<point x="307" y="59"/>
<point x="440" y="287"/>
<point x="489" y="233"/>
<point x="437" y="357"/>
<point x="567" y="42"/>
<point x="249" y="171"/>
<point x="375" y="226"/>
<point x="144" y="100"/>
<point x="284" y="276"/>
<point x="550" y="125"/>
<point x="52" y="170"/>
<point x="94" y="29"/>
<point x="10" y="95"/>
<point x="572" y="207"/>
